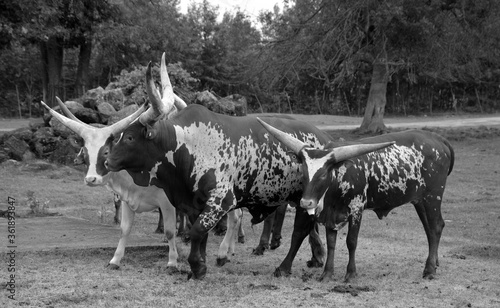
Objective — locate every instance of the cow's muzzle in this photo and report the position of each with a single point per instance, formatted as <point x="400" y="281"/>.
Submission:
<point x="309" y="205"/>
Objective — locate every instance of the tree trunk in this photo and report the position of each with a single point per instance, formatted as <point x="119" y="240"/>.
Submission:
<point x="82" y="74"/>
<point x="52" y="62"/>
<point x="373" y="120"/>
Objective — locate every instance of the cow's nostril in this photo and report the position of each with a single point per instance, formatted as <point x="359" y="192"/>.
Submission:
<point x="90" y="179"/>
<point x="106" y="164"/>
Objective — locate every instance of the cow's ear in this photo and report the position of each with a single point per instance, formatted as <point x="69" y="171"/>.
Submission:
<point x="150" y="132"/>
<point x="294" y="157"/>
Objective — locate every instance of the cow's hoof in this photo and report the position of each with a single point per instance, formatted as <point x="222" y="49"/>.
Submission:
<point x="241" y="239"/>
<point x="199" y="276"/>
<point x="112" y="266"/>
<point x="259" y="250"/>
<point x="222" y="261"/>
<point x="278" y="272"/>
<point x="429" y="276"/>
<point x="275" y="244"/>
<point x="349" y="277"/>
<point x="314" y="263"/>
<point x="325" y="277"/>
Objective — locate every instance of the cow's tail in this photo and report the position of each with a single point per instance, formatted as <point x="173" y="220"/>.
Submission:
<point x="452" y="155"/>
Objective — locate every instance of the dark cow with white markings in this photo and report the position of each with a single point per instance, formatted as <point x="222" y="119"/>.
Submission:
<point x="209" y="164"/>
<point x="413" y="170"/>
<point x="133" y="198"/>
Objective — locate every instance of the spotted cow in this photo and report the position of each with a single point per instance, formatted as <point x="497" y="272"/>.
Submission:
<point x="209" y="164"/>
<point x="413" y="170"/>
<point x="133" y="198"/>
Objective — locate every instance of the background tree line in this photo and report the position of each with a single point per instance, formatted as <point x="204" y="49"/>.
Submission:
<point x="351" y="57"/>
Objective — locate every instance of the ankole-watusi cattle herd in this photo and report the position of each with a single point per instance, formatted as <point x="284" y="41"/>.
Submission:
<point x="286" y="176"/>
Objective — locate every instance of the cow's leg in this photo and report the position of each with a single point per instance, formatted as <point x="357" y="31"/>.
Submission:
<point x="227" y="245"/>
<point x="241" y="232"/>
<point x="184" y="227"/>
<point x="170" y="227"/>
<point x="222" y="226"/>
<point x="352" y="243"/>
<point x="331" y="241"/>
<point x="266" y="234"/>
<point x="208" y="218"/>
<point x="317" y="249"/>
<point x="301" y="228"/>
<point x="277" y="225"/>
<point x="429" y="212"/>
<point x="117" y="203"/>
<point x="161" y="226"/>
<point x="126" y="223"/>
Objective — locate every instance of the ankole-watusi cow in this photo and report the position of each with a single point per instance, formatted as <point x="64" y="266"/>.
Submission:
<point x="134" y="198"/>
<point x="209" y="164"/>
<point x="413" y="170"/>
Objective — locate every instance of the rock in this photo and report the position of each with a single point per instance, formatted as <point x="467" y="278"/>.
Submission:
<point x="115" y="97"/>
<point x="15" y="147"/>
<point x="35" y="124"/>
<point x="239" y="102"/>
<point x="73" y="106"/>
<point x="23" y="133"/>
<point x="228" y="105"/>
<point x="92" y="98"/>
<point x="106" y="110"/>
<point x="88" y="115"/>
<point x="123" y="113"/>
<point x="59" y="129"/>
<point x="4" y="155"/>
<point x="28" y="156"/>
<point x="44" y="142"/>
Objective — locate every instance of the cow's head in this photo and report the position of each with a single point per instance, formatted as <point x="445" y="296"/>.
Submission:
<point x="97" y="140"/>
<point x="318" y="164"/>
<point x="135" y="149"/>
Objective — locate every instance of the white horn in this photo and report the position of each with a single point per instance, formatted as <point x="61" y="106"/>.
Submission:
<point x="291" y="142"/>
<point x="79" y="128"/>
<point x="155" y="111"/>
<point x="168" y="97"/>
<point x="350" y="151"/>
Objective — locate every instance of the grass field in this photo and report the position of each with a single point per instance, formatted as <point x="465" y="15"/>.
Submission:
<point x="390" y="257"/>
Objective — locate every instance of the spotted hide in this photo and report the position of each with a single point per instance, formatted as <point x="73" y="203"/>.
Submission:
<point x="209" y="163"/>
<point x="413" y="170"/>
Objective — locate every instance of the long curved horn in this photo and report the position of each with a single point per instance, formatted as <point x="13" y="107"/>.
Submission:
<point x="155" y="111"/>
<point x="68" y="113"/>
<point x="80" y="128"/>
<point x="120" y="126"/>
<point x="292" y="143"/>
<point x="168" y="96"/>
<point x="179" y="103"/>
<point x="338" y="154"/>
<point x="350" y="151"/>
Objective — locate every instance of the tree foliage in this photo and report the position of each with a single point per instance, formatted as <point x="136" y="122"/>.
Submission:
<point x="313" y="56"/>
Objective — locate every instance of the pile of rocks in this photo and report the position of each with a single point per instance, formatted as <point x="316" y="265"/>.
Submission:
<point x="53" y="141"/>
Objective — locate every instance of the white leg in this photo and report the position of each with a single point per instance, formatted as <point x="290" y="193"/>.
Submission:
<point x="227" y="244"/>
<point x="170" y="227"/>
<point x="126" y="226"/>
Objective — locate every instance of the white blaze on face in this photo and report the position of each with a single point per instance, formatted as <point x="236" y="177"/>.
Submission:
<point x="93" y="144"/>
<point x="314" y="164"/>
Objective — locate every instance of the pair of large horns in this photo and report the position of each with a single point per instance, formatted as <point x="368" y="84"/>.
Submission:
<point x="164" y="103"/>
<point x="340" y="153"/>
<point x="84" y="130"/>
